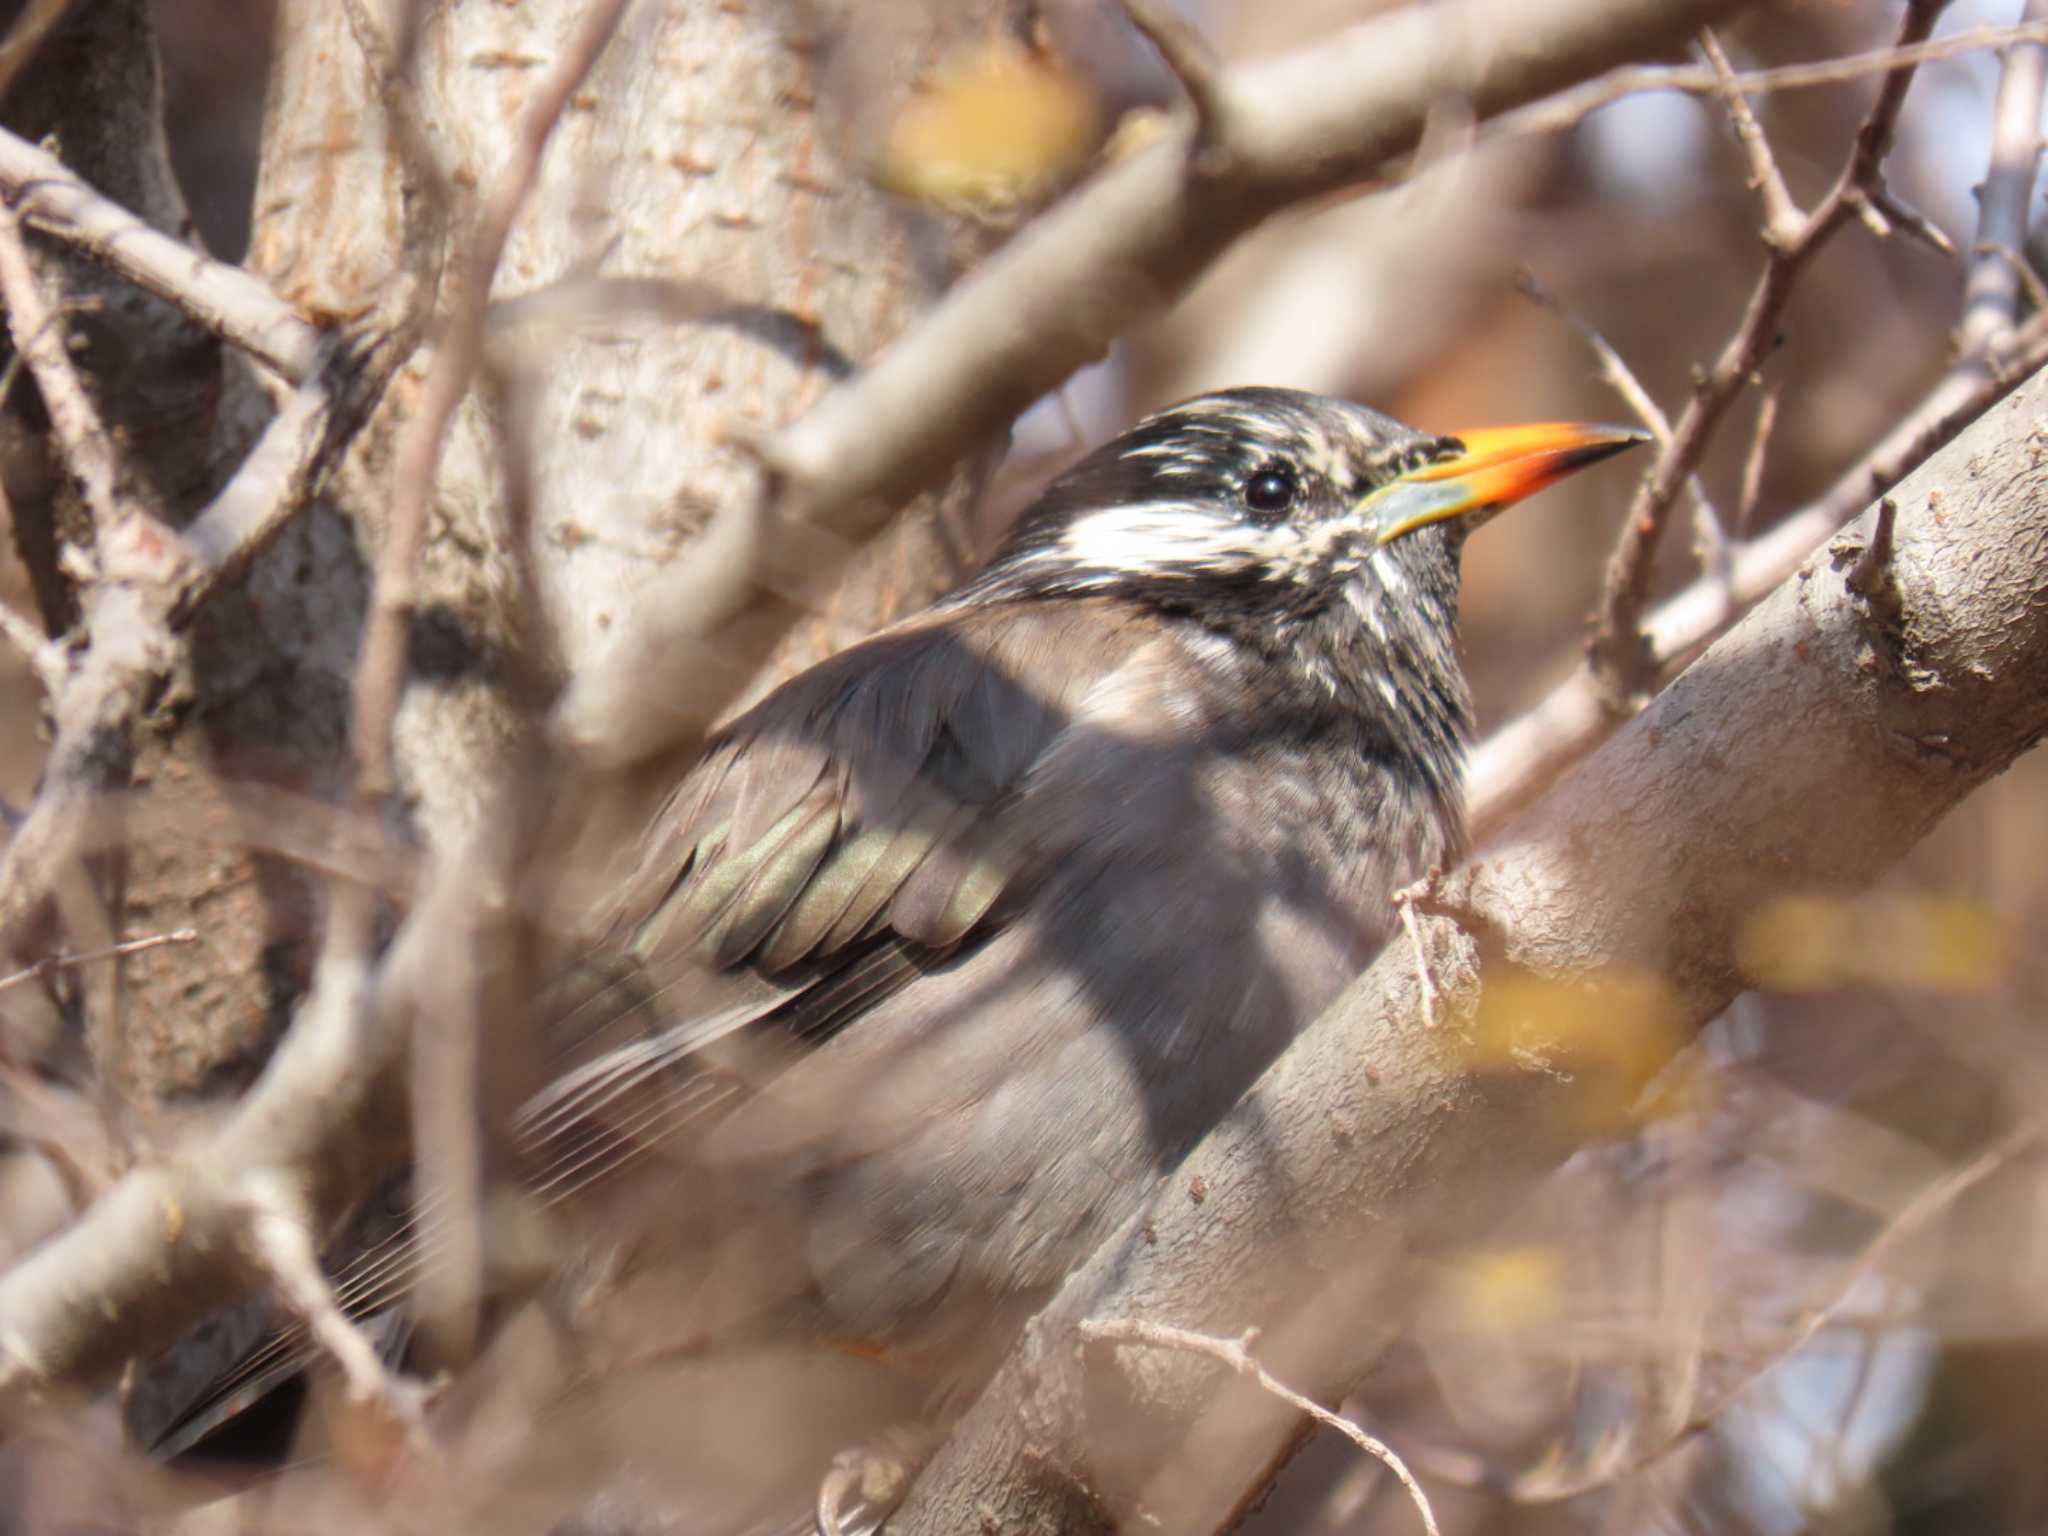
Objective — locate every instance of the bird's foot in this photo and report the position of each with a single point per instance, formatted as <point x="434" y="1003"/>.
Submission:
<point x="866" y="1482"/>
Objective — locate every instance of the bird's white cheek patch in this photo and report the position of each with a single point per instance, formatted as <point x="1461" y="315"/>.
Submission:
<point x="1158" y="541"/>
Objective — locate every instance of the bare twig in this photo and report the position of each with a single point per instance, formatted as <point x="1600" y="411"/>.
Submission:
<point x="2029" y="280"/>
<point x="90" y="753"/>
<point x="1753" y="462"/>
<point x="1915" y="223"/>
<point x="1524" y="754"/>
<point x="1782" y="218"/>
<point x="39" y="337"/>
<point x="32" y="24"/>
<point x="1567" y="109"/>
<point x="280" y="1243"/>
<point x="50" y="964"/>
<point x="1614" y="369"/>
<point x="1404" y="901"/>
<point x="458" y="348"/>
<point x="135" y="625"/>
<point x="1930" y="1201"/>
<point x="1618" y="376"/>
<point x="1236" y="1354"/>
<point x="446" y="1060"/>
<point x="229" y="301"/>
<point x="42" y="653"/>
<point x="1515" y="763"/>
<point x="65" y="1127"/>
<point x="1618" y="652"/>
<point x="1193" y="62"/>
<point x="280" y="473"/>
<point x="1991" y="288"/>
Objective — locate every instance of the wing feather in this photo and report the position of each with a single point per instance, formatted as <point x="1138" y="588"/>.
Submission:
<point x="839" y="841"/>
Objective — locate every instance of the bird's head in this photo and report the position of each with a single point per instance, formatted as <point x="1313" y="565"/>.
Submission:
<point x="1255" y="505"/>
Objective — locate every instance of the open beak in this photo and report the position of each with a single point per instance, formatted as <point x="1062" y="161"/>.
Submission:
<point x="1500" y="465"/>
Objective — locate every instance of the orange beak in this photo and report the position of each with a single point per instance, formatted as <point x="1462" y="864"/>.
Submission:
<point x="1500" y="466"/>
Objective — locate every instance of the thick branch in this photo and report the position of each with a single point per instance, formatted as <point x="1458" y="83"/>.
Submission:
<point x="231" y="302"/>
<point x="1807" y="750"/>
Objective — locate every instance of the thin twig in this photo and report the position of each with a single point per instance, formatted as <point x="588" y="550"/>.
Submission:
<point x="2029" y="280"/>
<point x="39" y="337"/>
<point x="282" y="471"/>
<point x="32" y="24"/>
<point x="1930" y="1201"/>
<point x="1753" y="462"/>
<point x="1614" y="369"/>
<point x="42" y="653"/>
<point x="1782" y="219"/>
<point x="1236" y="1354"/>
<point x="50" y="964"/>
<point x="1619" y="377"/>
<point x="67" y="1128"/>
<point x="280" y="1243"/>
<point x="1991" y="287"/>
<point x="446" y="1060"/>
<point x="1620" y="658"/>
<point x="1404" y="902"/>
<point x="1567" y="109"/>
<point x="458" y="347"/>
<point x="1514" y="764"/>
<point x="1911" y="220"/>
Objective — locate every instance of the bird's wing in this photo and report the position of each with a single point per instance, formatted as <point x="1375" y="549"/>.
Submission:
<point x="836" y="841"/>
<point x="853" y="829"/>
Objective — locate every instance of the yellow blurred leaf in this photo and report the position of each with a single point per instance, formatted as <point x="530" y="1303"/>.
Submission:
<point x="1944" y="942"/>
<point x="1796" y="944"/>
<point x="1507" y="1287"/>
<point x="1820" y="943"/>
<point x="1608" y="1037"/>
<point x="998" y="126"/>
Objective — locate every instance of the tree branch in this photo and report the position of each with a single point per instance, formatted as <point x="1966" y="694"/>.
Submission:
<point x="1570" y="108"/>
<point x="88" y="447"/>
<point x="232" y="302"/>
<point x="1991" y="290"/>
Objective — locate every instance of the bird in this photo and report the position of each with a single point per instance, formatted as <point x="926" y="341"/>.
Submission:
<point x="948" y="949"/>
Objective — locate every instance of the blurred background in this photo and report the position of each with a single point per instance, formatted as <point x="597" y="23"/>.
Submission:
<point x="1684" y="1334"/>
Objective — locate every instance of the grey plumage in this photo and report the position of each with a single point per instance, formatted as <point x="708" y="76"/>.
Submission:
<point x="1043" y="878"/>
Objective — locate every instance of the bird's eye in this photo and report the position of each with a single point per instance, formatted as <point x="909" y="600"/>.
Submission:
<point x="1270" y="492"/>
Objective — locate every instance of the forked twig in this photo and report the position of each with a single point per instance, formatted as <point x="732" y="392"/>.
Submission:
<point x="1236" y="1354"/>
<point x="1620" y="658"/>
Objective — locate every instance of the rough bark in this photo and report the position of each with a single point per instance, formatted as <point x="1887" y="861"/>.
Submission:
<point x="704" y="253"/>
